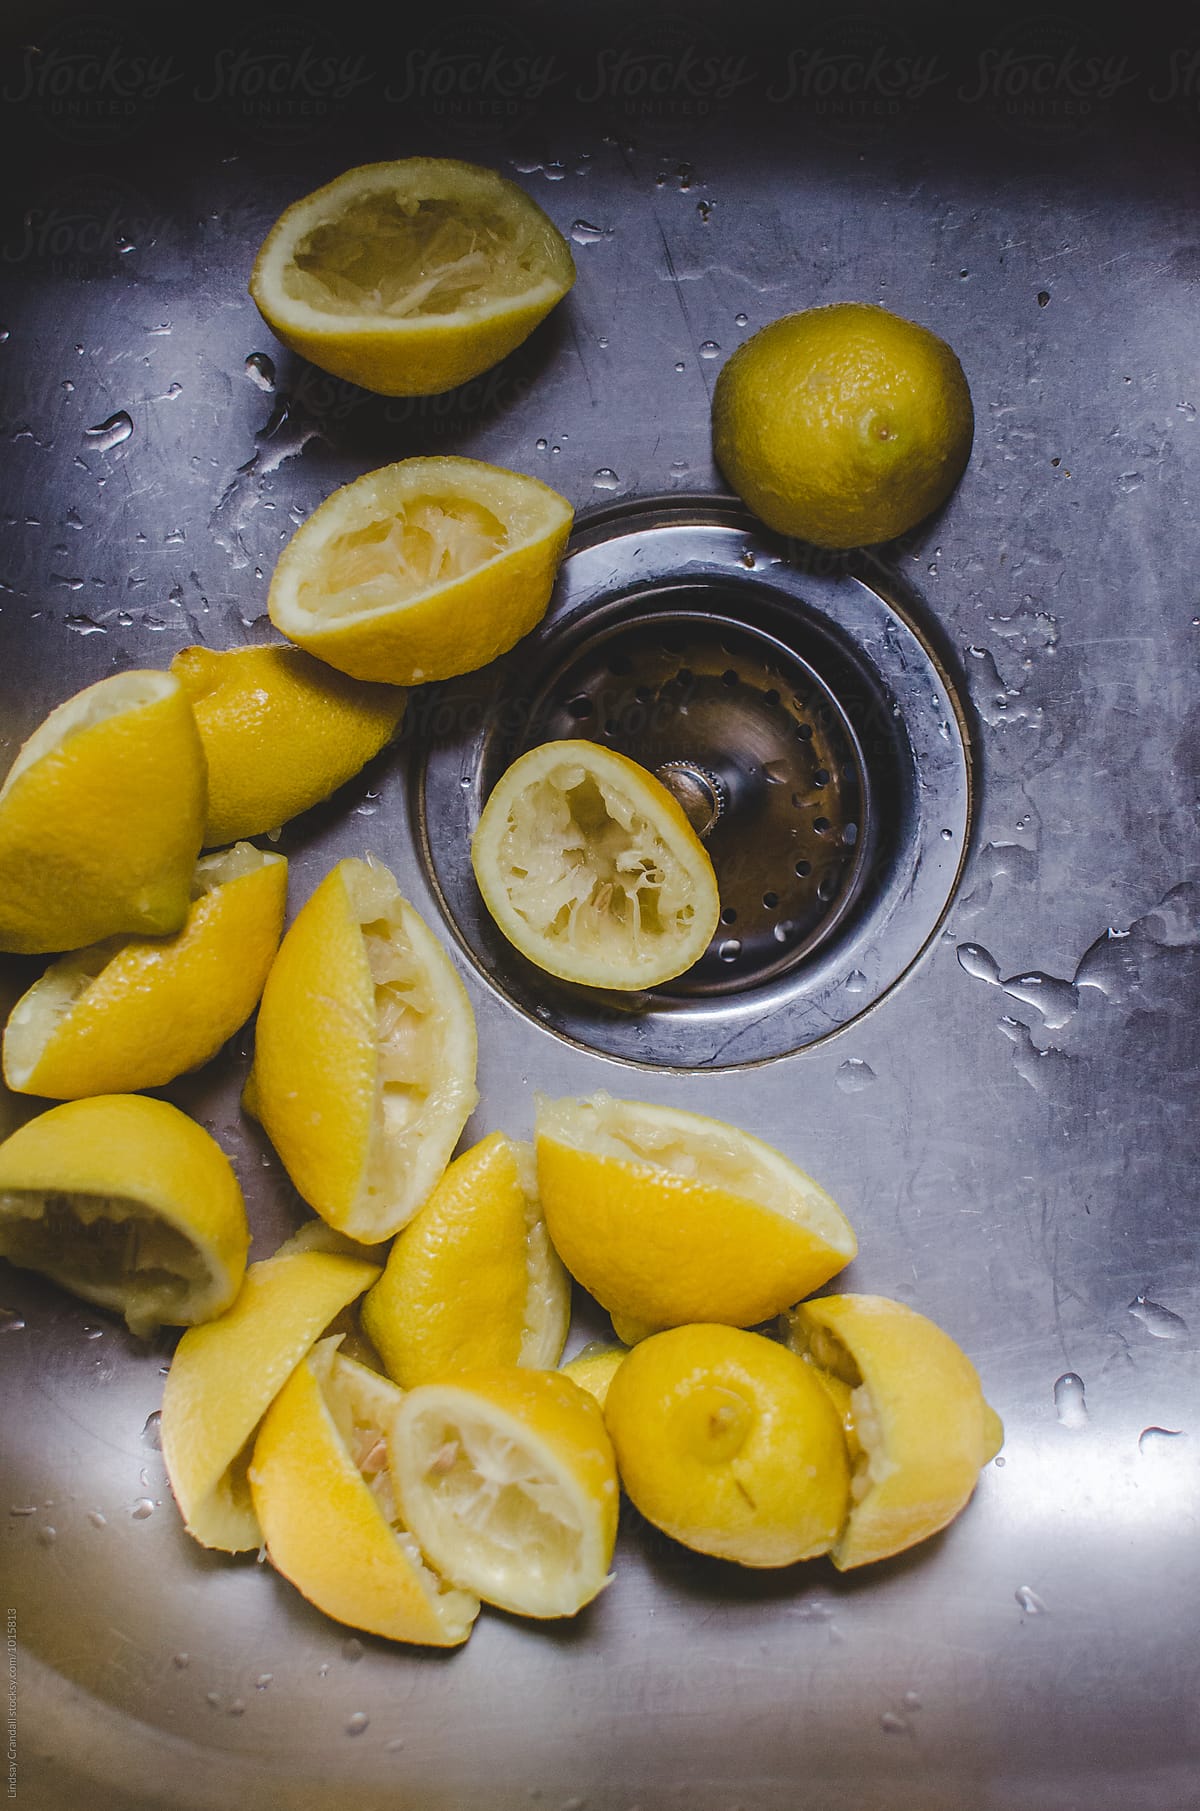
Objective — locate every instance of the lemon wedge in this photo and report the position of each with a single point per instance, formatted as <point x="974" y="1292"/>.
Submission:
<point x="365" y="1050"/>
<point x="101" y="816"/>
<point x="473" y="1280"/>
<point x="592" y="871"/>
<point x="281" y="731"/>
<point x="224" y="1377"/>
<point x="727" y="1442"/>
<point x="410" y="277"/>
<point x="326" y="1501"/>
<point x="507" y="1478"/>
<point x="921" y="1427"/>
<point x="134" y="1013"/>
<point x="669" y="1217"/>
<point x="128" y="1203"/>
<point x="421" y="570"/>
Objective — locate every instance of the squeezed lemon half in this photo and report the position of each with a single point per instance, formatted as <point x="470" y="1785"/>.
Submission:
<point x="421" y="570"/>
<point x="326" y="1500"/>
<point x="281" y="731"/>
<point x="727" y="1442"/>
<point x="918" y="1426"/>
<point x="364" y="1057"/>
<point x="473" y="1280"/>
<point x="134" y="1013"/>
<point x="410" y="277"/>
<point x="101" y="815"/>
<point x="668" y="1217"/>
<point x="507" y="1478"/>
<point x="591" y="869"/>
<point x="225" y="1375"/>
<point x="128" y="1203"/>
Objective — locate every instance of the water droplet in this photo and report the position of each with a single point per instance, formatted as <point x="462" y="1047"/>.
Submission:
<point x="47" y="1536"/>
<point x="1151" y="1438"/>
<point x="262" y="1682"/>
<point x="1029" y="1601"/>
<point x="369" y="806"/>
<point x="748" y="560"/>
<point x="21" y="1509"/>
<point x="709" y="349"/>
<point x="152" y="1432"/>
<point x="353" y="1649"/>
<point x="93" y="1332"/>
<point x="730" y="949"/>
<point x="741" y="320"/>
<point x="237" y="1708"/>
<point x="893" y="1724"/>
<point x="911" y="1701"/>
<point x="679" y="365"/>
<point x="605" y="479"/>
<point x="776" y="772"/>
<point x="394" y="1746"/>
<point x="97" y="1518"/>
<point x="541" y="443"/>
<point x="212" y="1698"/>
<point x="1156" y="1319"/>
<point x="10" y="1321"/>
<point x="358" y="1722"/>
<point x="975" y="960"/>
<point x="704" y="209"/>
<point x="854" y="1075"/>
<point x="784" y="931"/>
<point x="584" y="233"/>
<point x="947" y="836"/>
<point x="260" y="369"/>
<point x="1070" y="1403"/>
<point x="68" y="387"/>
<point x="554" y="172"/>
<point x="856" y="981"/>
<point x="181" y="1661"/>
<point x="1057" y="1001"/>
<point x="4" y="334"/>
<point x="110" y="433"/>
<point x="141" y="1509"/>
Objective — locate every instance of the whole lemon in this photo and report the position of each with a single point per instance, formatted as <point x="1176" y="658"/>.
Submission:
<point x="842" y="425"/>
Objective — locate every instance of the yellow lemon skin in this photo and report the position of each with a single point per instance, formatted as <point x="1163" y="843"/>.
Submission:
<point x="326" y="1530"/>
<point x="727" y="1442"/>
<point x="351" y="603"/>
<point x="594" y="1368"/>
<point x="669" y="1217"/>
<point x="472" y="1280"/>
<point x="563" y="855"/>
<point x="225" y="1375"/>
<point x="101" y="817"/>
<point x="843" y="425"/>
<point x="919" y="1418"/>
<point x="281" y="731"/>
<point x="115" y="1019"/>
<point x="128" y="1203"/>
<point x="414" y="353"/>
<point x="507" y="1478"/>
<point x="364" y="1157"/>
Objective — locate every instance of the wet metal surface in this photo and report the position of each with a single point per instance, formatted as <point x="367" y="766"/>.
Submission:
<point x="1010" y="1126"/>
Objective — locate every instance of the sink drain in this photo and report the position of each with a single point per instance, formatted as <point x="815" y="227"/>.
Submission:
<point x="806" y="727"/>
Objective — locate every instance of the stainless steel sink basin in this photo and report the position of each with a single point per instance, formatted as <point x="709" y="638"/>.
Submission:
<point x="990" y="1058"/>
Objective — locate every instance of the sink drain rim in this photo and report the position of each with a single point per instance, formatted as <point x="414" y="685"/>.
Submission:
<point x="864" y="612"/>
